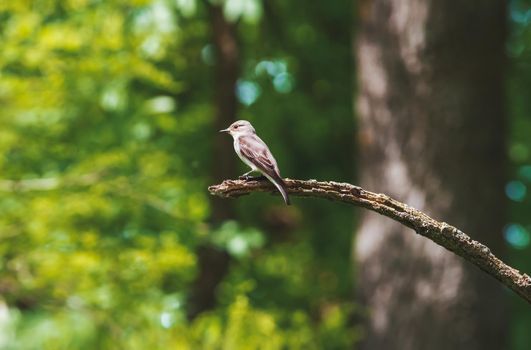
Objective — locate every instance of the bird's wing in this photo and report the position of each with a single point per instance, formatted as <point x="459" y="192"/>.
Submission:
<point x="257" y="152"/>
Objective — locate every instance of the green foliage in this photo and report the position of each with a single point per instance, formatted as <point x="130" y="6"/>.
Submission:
<point x="105" y="137"/>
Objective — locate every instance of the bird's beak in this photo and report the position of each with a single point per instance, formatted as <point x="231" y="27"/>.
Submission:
<point x="224" y="130"/>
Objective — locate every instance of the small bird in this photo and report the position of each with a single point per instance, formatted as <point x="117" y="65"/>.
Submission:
<point x="255" y="153"/>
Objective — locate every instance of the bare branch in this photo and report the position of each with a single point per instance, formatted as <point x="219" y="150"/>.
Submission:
<point x="441" y="233"/>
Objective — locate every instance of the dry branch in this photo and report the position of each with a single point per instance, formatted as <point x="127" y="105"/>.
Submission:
<point x="441" y="233"/>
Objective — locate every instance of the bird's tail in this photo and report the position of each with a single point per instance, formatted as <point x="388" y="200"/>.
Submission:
<point x="281" y="186"/>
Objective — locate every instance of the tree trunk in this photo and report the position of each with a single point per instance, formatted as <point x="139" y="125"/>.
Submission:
<point x="213" y="264"/>
<point x="432" y="134"/>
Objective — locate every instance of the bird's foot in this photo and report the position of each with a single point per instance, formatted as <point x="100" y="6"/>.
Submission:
<point x="253" y="178"/>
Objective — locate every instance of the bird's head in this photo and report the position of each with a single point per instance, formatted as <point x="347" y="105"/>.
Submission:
<point x="240" y="127"/>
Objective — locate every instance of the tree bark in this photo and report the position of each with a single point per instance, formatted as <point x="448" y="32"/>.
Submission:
<point x="432" y="127"/>
<point x="225" y="104"/>
<point x="213" y="263"/>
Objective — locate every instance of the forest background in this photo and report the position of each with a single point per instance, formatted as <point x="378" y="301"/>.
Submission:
<point x="108" y="142"/>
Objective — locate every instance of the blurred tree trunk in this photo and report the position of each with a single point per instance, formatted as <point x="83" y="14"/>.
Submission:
<point x="213" y="263"/>
<point x="432" y="134"/>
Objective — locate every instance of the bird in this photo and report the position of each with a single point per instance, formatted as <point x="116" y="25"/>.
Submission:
<point x="255" y="153"/>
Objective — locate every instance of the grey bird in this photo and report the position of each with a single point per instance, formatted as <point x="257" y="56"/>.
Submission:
<point x="255" y="153"/>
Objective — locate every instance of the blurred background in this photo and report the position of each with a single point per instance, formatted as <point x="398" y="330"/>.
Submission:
<point x="108" y="142"/>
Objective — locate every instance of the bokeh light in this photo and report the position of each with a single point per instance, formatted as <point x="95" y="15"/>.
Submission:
<point x="247" y="92"/>
<point x="516" y="191"/>
<point x="517" y="236"/>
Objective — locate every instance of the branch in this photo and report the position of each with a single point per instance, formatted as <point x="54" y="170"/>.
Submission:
<point x="441" y="233"/>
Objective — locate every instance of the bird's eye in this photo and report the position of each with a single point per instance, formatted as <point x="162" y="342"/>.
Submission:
<point x="236" y="126"/>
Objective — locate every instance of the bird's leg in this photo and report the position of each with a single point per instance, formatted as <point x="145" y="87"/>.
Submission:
<point x="246" y="176"/>
<point x="255" y="178"/>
